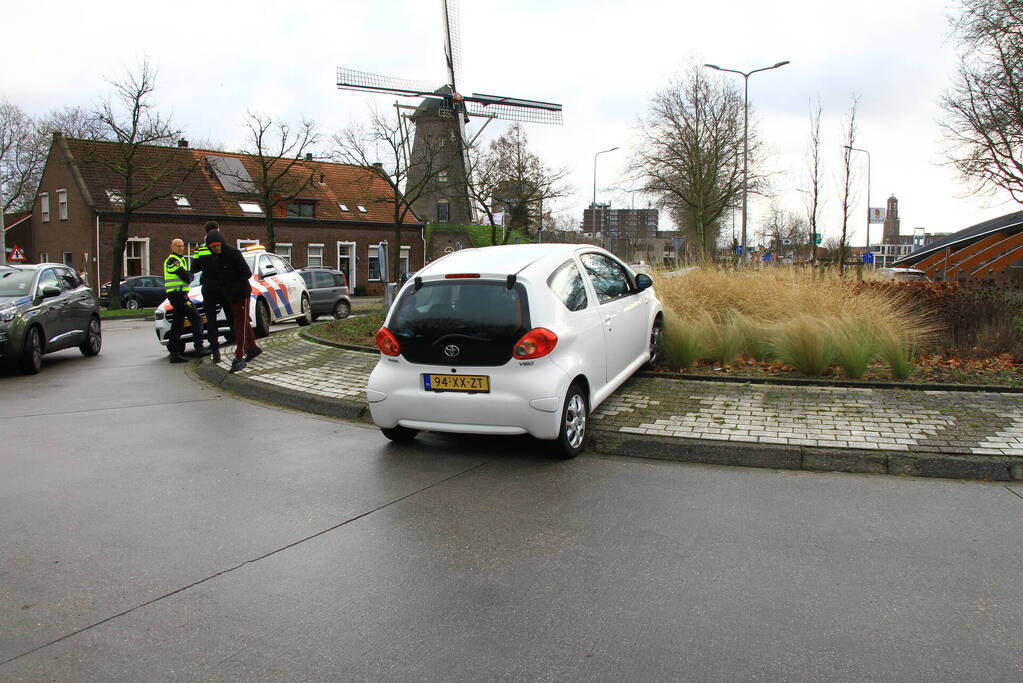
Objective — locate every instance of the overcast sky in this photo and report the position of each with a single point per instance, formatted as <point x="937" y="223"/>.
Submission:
<point x="601" y="59"/>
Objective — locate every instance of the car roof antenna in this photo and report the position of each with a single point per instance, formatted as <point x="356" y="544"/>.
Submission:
<point x="417" y="284"/>
<point x="511" y="281"/>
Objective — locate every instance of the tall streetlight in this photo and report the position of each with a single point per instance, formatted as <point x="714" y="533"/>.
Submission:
<point x="593" y="206"/>
<point x="745" y="140"/>
<point x="857" y="149"/>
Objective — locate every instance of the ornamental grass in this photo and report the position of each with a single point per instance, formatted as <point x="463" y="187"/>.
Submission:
<point x="804" y="318"/>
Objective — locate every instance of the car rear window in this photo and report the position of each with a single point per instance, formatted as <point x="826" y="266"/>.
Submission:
<point x="483" y="316"/>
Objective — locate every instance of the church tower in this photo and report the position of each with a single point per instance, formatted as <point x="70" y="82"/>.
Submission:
<point x="891" y="222"/>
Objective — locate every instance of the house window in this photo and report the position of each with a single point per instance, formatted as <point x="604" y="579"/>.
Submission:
<point x="62" y="204"/>
<point x="315" y="258"/>
<point x="250" y="207"/>
<point x="443" y="211"/>
<point x="284" y="251"/>
<point x="44" y="200"/>
<point x="442" y="178"/>
<point x="406" y="257"/>
<point x="136" y="253"/>
<point x="374" y="262"/>
<point x="115" y="197"/>
<point x="361" y="208"/>
<point x="242" y="244"/>
<point x="343" y="207"/>
<point x="182" y="201"/>
<point x="69" y="258"/>
<point x="44" y="257"/>
<point x="301" y="209"/>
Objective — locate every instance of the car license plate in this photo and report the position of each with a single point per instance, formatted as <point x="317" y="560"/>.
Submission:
<point x="466" y="383"/>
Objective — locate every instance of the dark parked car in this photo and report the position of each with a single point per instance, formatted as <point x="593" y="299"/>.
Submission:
<point x="328" y="292"/>
<point x="141" y="291"/>
<point x="45" y="308"/>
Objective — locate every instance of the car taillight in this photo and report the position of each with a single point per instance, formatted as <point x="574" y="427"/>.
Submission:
<point x="386" y="342"/>
<point x="537" y="342"/>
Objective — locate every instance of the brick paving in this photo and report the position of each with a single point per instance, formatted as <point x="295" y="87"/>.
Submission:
<point x="975" y="423"/>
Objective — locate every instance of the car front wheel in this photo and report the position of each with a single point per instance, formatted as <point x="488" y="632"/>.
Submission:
<point x="262" y="328"/>
<point x="32" y="356"/>
<point x="572" y="437"/>
<point x="93" y="339"/>
<point x="132" y="304"/>
<point x="656" y="341"/>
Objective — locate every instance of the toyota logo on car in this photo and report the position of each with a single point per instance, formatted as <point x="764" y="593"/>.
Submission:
<point x="451" y="351"/>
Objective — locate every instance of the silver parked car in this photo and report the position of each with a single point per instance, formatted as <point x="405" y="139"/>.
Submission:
<point x="45" y="308"/>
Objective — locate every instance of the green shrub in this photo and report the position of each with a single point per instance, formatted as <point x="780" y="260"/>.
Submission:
<point x="855" y="346"/>
<point x="897" y="355"/>
<point x="680" y="341"/>
<point x="723" y="340"/>
<point x="756" y="338"/>
<point x="805" y="343"/>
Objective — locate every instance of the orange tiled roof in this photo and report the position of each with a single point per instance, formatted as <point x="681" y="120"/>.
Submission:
<point x="341" y="184"/>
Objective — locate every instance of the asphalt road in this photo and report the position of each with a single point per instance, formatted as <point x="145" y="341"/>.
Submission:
<point x="154" y="529"/>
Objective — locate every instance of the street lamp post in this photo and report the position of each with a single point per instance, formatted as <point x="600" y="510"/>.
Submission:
<point x="745" y="140"/>
<point x="593" y="205"/>
<point x="857" y="149"/>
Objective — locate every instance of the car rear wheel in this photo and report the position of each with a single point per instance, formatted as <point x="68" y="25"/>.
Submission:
<point x="32" y="355"/>
<point x="132" y="303"/>
<point x="307" y="312"/>
<point x="572" y="437"/>
<point x="93" y="339"/>
<point x="262" y="319"/>
<point x="399" y="434"/>
<point x="342" y="309"/>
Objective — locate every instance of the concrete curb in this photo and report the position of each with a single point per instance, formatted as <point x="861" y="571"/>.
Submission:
<point x="289" y="398"/>
<point x="309" y="336"/>
<point x="987" y="468"/>
<point x="821" y="382"/>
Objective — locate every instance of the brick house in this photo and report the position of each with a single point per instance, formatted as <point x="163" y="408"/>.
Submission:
<point x="337" y="221"/>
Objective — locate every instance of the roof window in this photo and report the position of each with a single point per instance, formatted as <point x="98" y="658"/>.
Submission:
<point x="361" y="208"/>
<point x="182" y="201"/>
<point x="343" y="207"/>
<point x="250" y="207"/>
<point x="115" y="197"/>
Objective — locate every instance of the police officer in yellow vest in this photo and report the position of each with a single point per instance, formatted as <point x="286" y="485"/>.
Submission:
<point x="176" y="280"/>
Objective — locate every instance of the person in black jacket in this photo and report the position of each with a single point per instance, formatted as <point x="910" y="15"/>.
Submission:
<point x="233" y="274"/>
<point x="203" y="261"/>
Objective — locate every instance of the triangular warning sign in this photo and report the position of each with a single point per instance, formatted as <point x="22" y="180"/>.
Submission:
<point x="16" y="254"/>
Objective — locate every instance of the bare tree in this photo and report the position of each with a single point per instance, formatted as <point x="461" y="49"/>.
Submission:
<point x="689" y="153"/>
<point x="130" y="121"/>
<point x="384" y="146"/>
<point x="813" y="203"/>
<point x="848" y="142"/>
<point x="523" y="185"/>
<point x="21" y="158"/>
<point x="278" y="150"/>
<point x="984" y="107"/>
<point x="482" y="180"/>
<point x="781" y="229"/>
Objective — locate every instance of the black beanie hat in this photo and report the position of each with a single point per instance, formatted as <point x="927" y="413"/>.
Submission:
<point x="214" y="236"/>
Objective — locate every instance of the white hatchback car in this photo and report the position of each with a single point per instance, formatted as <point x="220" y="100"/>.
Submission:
<point x="519" y="339"/>
<point x="278" y="295"/>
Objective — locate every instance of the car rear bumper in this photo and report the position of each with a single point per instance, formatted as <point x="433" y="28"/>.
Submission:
<point x="523" y="399"/>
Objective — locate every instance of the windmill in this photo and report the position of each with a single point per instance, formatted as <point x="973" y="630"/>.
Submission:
<point x="440" y="139"/>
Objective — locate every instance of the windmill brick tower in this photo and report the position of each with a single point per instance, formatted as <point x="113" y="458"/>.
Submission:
<point x="440" y="148"/>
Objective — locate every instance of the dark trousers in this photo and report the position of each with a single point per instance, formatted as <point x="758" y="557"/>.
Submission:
<point x="244" y="337"/>
<point x="183" y="308"/>
<point x="211" y="298"/>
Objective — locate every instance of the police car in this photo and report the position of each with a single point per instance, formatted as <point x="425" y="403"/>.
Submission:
<point x="278" y="295"/>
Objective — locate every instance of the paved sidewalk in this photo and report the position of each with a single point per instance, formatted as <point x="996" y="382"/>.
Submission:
<point x="898" y="431"/>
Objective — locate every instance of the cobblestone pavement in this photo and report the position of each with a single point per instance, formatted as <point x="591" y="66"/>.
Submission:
<point x="977" y="423"/>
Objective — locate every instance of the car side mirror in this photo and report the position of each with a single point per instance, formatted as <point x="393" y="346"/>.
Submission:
<point x="643" y="281"/>
<point x="50" y="291"/>
<point x="267" y="272"/>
